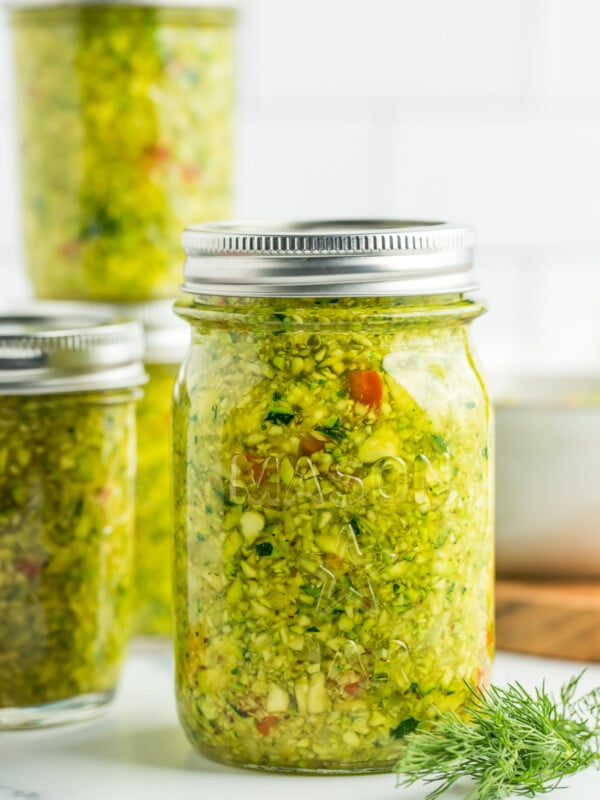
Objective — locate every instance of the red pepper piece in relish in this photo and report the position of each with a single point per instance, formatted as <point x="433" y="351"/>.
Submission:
<point x="366" y="387"/>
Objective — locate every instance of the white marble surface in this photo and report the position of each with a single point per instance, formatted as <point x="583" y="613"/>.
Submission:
<point x="138" y="752"/>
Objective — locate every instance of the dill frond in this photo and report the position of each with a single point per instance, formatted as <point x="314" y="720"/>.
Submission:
<point x="507" y="741"/>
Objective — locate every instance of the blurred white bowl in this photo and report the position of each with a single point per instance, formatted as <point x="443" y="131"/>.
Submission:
<point x="548" y="477"/>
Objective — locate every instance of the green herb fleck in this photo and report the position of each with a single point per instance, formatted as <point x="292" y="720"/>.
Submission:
<point x="78" y="510"/>
<point x="264" y="548"/>
<point x="239" y="711"/>
<point x="407" y="726"/>
<point x="313" y="591"/>
<point x="440" y="540"/>
<point x="332" y="429"/>
<point x="439" y="442"/>
<point x="279" y="417"/>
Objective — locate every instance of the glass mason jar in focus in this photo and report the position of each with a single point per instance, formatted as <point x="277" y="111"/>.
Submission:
<point x="125" y="115"/>
<point x="333" y="526"/>
<point x="166" y="340"/>
<point x="68" y="387"/>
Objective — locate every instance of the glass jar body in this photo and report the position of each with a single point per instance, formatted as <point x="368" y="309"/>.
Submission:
<point x="333" y="542"/>
<point x="137" y="110"/>
<point x="154" y="508"/>
<point x="66" y="542"/>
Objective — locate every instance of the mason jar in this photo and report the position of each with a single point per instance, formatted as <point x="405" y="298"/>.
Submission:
<point x="166" y="339"/>
<point x="333" y="525"/>
<point x="68" y="385"/>
<point x="136" y="100"/>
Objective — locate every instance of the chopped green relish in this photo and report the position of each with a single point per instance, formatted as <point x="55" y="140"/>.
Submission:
<point x="154" y="508"/>
<point x="333" y="542"/>
<point x="66" y="544"/>
<point x="136" y="140"/>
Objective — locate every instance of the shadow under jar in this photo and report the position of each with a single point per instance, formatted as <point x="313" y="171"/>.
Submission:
<point x="68" y="387"/>
<point x="333" y="530"/>
<point x="125" y="115"/>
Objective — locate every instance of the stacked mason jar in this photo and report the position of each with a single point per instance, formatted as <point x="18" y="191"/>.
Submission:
<point x="125" y="114"/>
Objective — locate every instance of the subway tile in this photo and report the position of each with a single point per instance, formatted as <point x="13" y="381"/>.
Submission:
<point x="297" y="167"/>
<point x="384" y="50"/>
<point x="542" y="312"/>
<point x="567" y="49"/>
<point x="563" y="316"/>
<point x="9" y="196"/>
<point x="5" y="72"/>
<point x="500" y="335"/>
<point x="529" y="179"/>
<point x="14" y="284"/>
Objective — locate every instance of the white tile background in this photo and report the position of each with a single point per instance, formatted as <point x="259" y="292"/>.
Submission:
<point x="485" y="111"/>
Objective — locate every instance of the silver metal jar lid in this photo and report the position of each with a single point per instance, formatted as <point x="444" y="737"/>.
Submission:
<point x="49" y="352"/>
<point x="329" y="258"/>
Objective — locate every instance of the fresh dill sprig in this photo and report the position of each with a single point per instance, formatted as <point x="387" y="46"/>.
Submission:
<point x="507" y="740"/>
